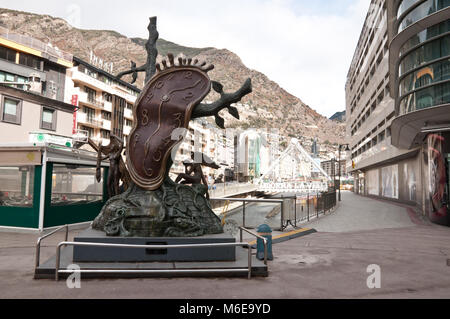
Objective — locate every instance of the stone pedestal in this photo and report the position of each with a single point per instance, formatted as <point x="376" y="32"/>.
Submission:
<point x="117" y="254"/>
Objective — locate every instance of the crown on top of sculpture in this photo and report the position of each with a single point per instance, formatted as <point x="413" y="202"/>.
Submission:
<point x="182" y="62"/>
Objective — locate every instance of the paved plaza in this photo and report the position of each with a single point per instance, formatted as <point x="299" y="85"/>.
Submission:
<point x="331" y="263"/>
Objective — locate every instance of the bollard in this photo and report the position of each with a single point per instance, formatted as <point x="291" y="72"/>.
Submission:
<point x="265" y="231"/>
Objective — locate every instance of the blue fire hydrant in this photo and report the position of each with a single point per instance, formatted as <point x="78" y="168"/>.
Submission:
<point x="265" y="231"/>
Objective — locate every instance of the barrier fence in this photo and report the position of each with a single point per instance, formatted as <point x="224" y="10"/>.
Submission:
<point x="307" y="206"/>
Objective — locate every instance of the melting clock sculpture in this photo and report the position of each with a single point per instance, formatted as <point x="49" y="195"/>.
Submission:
<point x="153" y="204"/>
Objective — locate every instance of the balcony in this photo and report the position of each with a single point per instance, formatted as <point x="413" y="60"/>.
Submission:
<point x="107" y="106"/>
<point x="82" y="118"/>
<point x="83" y="98"/>
<point x="106" y="125"/>
<point x="126" y="130"/>
<point x="80" y="77"/>
<point x="128" y="113"/>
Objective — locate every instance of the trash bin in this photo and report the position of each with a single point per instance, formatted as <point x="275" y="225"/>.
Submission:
<point x="265" y="231"/>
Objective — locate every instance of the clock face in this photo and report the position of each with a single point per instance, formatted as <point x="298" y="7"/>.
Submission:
<point x="165" y="104"/>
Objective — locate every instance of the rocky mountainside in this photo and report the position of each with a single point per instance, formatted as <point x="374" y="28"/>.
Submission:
<point x="268" y="106"/>
<point x="338" y="117"/>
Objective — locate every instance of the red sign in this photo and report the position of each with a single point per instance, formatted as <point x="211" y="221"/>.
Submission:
<point x="74" y="103"/>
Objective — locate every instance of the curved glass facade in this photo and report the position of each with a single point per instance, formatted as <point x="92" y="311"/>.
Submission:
<point x="424" y="54"/>
<point x="425" y="35"/>
<point x="430" y="74"/>
<point x="424" y="66"/>
<point x="405" y="5"/>
<point x="427" y="97"/>
<point x="421" y="11"/>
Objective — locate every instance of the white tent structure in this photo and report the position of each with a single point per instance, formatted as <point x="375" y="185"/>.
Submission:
<point x="305" y="163"/>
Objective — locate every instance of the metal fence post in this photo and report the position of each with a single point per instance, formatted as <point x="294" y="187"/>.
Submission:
<point x="307" y="203"/>
<point x="243" y="214"/>
<point x="295" y="210"/>
<point x="317" y="205"/>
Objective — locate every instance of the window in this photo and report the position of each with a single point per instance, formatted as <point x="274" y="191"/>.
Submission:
<point x="106" y="115"/>
<point x="16" y="186"/>
<point x="11" y="110"/>
<point x="105" y="133"/>
<point x="91" y="94"/>
<point x="48" y="119"/>
<point x="75" y="184"/>
<point x="89" y="130"/>
<point x="7" y="54"/>
<point x="90" y="113"/>
<point x="107" y="97"/>
<point x="29" y="60"/>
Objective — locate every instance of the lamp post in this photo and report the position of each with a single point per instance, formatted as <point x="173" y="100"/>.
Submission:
<point x="333" y="167"/>
<point x="339" y="164"/>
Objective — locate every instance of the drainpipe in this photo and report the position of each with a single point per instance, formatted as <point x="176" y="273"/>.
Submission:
<point x="42" y="195"/>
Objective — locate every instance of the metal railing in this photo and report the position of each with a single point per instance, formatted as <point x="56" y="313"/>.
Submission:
<point x="257" y="236"/>
<point x="38" y="244"/>
<point x="228" y="188"/>
<point x="252" y="200"/>
<point x="310" y="205"/>
<point x="160" y="271"/>
<point x="34" y="43"/>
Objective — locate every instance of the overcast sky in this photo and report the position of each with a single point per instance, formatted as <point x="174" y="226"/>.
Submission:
<point x="306" y="46"/>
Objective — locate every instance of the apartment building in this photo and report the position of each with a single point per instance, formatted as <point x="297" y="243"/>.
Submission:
<point x="397" y="103"/>
<point x="331" y="167"/>
<point x="202" y="136"/>
<point x="32" y="87"/>
<point x="104" y="102"/>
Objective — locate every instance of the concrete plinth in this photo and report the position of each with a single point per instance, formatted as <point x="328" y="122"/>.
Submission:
<point x="118" y="254"/>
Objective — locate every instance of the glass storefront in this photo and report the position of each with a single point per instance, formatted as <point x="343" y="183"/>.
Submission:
<point x="372" y="182"/>
<point x="75" y="184"/>
<point x="389" y="181"/>
<point x="16" y="186"/>
<point x="425" y="9"/>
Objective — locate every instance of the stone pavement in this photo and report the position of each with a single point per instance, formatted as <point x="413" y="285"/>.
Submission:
<point x="357" y="213"/>
<point x="331" y="263"/>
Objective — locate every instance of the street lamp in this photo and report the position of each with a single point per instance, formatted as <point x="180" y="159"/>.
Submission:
<point x="339" y="163"/>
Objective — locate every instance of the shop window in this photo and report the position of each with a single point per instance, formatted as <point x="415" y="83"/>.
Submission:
<point x="75" y="184"/>
<point x="16" y="186"/>
<point x="11" y="110"/>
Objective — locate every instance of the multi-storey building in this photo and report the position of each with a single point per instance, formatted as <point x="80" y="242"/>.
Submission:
<point x="104" y="102"/>
<point x="202" y="136"/>
<point x="398" y="111"/>
<point x="331" y="167"/>
<point x="32" y="86"/>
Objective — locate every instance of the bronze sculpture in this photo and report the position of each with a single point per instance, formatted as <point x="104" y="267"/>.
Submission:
<point x="193" y="171"/>
<point x="153" y="204"/>
<point x="114" y="153"/>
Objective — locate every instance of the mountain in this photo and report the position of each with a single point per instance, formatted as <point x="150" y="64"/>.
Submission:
<point x="268" y="106"/>
<point x="338" y="116"/>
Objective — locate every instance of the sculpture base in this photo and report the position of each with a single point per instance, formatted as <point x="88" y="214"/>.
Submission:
<point x="117" y="254"/>
<point x="173" y="210"/>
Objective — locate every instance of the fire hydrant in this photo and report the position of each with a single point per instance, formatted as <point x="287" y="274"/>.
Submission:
<point x="265" y="231"/>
